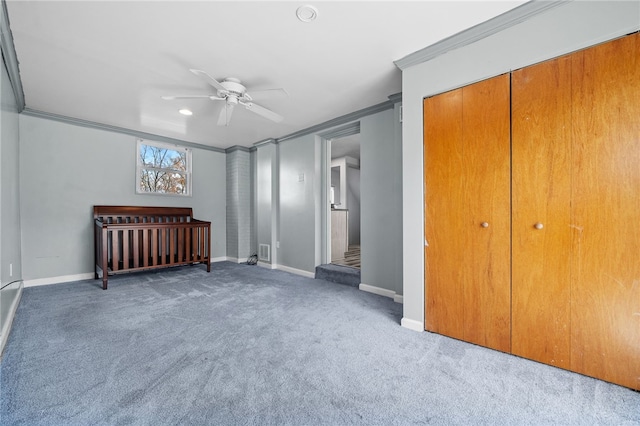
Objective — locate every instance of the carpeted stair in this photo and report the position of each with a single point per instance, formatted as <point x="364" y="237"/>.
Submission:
<point x="338" y="274"/>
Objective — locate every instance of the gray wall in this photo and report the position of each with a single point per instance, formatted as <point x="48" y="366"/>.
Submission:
<point x="253" y="177"/>
<point x="291" y="211"/>
<point x="238" y="204"/>
<point x="266" y="196"/>
<point x="381" y="202"/>
<point x="353" y="202"/>
<point x="567" y="28"/>
<point x="10" y="253"/>
<point x="299" y="207"/>
<point x="66" y="169"/>
<point x="335" y="182"/>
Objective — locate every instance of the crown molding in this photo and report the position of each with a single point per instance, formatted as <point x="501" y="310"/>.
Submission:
<point x="342" y="131"/>
<point x="237" y="148"/>
<point x="266" y="142"/>
<point x="396" y="98"/>
<point x="109" y="128"/>
<point x="356" y="115"/>
<point x="485" y="29"/>
<point x="9" y="56"/>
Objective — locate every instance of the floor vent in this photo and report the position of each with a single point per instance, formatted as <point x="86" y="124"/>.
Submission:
<point x="264" y="253"/>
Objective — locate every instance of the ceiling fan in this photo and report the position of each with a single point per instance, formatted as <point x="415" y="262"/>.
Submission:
<point x="233" y="92"/>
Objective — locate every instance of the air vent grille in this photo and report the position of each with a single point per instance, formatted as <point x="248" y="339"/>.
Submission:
<point x="264" y="252"/>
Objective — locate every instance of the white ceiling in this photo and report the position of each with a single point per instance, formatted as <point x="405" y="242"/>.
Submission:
<point x="109" y="62"/>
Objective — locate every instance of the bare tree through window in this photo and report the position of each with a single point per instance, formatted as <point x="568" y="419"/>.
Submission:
<point x="163" y="170"/>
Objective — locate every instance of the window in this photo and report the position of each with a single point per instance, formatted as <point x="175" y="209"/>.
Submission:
<point x="163" y="169"/>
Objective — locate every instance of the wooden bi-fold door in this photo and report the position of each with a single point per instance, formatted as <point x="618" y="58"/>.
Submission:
<point x="541" y="176"/>
<point x="605" y="212"/>
<point x="467" y="217"/>
<point x="570" y="229"/>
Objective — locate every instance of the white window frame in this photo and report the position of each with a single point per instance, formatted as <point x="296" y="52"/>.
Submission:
<point x="139" y="167"/>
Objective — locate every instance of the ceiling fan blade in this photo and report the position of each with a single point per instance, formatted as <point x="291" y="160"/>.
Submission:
<point x="266" y="113"/>
<point x="269" y="93"/>
<point x="206" y="77"/>
<point x="225" y="115"/>
<point x="170" y="98"/>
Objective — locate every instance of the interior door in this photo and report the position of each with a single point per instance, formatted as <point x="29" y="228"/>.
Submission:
<point x="467" y="213"/>
<point x="486" y="171"/>
<point x="541" y="191"/>
<point x="444" y="302"/>
<point x="605" y="222"/>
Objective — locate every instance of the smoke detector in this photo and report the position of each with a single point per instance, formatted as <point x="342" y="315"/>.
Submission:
<point x="307" y="13"/>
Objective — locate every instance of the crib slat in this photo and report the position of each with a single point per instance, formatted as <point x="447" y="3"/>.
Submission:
<point x="145" y="247"/>
<point x="181" y="244"/>
<point x="201" y="232"/>
<point x="136" y="248"/>
<point x="194" y="247"/>
<point x="187" y="245"/>
<point x="172" y="246"/>
<point x="162" y="247"/>
<point x="125" y="249"/>
<point x="115" y="250"/>
<point x="153" y="246"/>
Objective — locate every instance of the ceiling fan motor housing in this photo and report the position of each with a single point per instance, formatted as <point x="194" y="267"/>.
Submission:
<point x="234" y="87"/>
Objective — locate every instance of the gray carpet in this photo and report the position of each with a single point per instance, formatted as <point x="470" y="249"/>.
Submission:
<point x="247" y="345"/>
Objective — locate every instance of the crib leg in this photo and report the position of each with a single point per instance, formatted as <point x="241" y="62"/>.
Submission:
<point x="104" y="281"/>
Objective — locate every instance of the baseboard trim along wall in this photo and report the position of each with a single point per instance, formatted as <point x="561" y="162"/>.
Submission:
<point x="266" y="265"/>
<point x="6" y="329"/>
<point x="287" y="269"/>
<point x="412" y="324"/>
<point x="296" y="271"/>
<point x="89" y="275"/>
<point x="57" y="280"/>
<point x="381" y="292"/>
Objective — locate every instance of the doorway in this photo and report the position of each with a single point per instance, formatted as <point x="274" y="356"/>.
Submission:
<point x="344" y="197"/>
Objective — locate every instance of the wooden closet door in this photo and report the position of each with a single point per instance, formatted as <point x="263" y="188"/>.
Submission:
<point x="467" y="181"/>
<point x="443" y="214"/>
<point x="605" y="308"/>
<point x="486" y="168"/>
<point x="541" y="179"/>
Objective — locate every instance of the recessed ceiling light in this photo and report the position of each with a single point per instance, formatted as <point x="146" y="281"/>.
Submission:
<point x="307" y="13"/>
<point x="185" y="111"/>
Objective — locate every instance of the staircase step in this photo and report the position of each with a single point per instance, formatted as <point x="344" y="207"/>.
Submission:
<point x="338" y="274"/>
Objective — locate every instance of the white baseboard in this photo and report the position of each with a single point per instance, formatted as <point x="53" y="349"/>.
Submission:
<point x="287" y="269"/>
<point x="296" y="271"/>
<point x="6" y="329"/>
<point x="377" y="290"/>
<point x="381" y="292"/>
<point x="57" y="280"/>
<point x="266" y="265"/>
<point x="412" y="324"/>
<point x="220" y="259"/>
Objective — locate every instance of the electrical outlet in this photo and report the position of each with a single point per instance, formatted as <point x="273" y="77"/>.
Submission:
<point x="11" y="269"/>
<point x="301" y="177"/>
<point x="277" y="244"/>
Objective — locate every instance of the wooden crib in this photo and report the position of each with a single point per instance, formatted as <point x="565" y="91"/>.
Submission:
<point x="129" y="238"/>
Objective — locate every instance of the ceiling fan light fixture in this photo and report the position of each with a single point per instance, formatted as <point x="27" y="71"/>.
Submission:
<point x="307" y="13"/>
<point x="185" y="111"/>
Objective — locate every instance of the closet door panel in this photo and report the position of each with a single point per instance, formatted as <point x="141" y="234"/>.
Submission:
<point x="443" y="214"/>
<point x="606" y="212"/>
<point x="541" y="179"/>
<point x="486" y="169"/>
